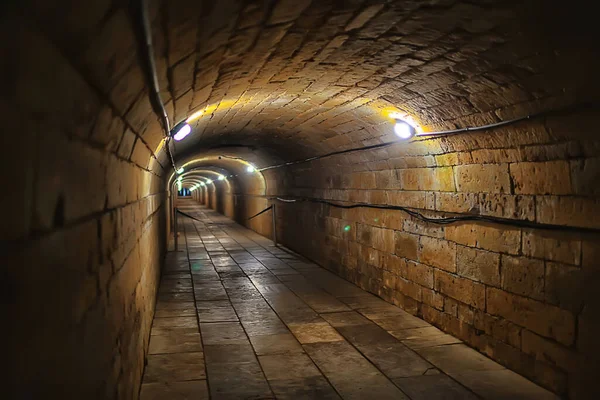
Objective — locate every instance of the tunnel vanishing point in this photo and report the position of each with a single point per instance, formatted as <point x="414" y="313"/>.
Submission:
<point x="259" y="199"/>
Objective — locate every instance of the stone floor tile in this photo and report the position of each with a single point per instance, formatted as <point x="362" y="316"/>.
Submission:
<point x="174" y="367"/>
<point x="396" y="360"/>
<point x="175" y="286"/>
<point x="430" y="341"/>
<point x="282" y="343"/>
<point x="363" y="335"/>
<point x="197" y="390"/>
<point x="188" y="342"/>
<point x="349" y="318"/>
<point x="456" y="358"/>
<point x="288" y="366"/>
<point x="502" y="385"/>
<point x="434" y="387"/>
<point x="315" y="332"/>
<point x="415" y="333"/>
<point x="314" y="387"/>
<point x="358" y="379"/>
<point x="229" y="353"/>
<point x="238" y="381"/>
<point x="395" y="322"/>
<point x="264" y="327"/>
<point x="208" y="294"/>
<point x="175" y="322"/>
<point x="217" y="315"/>
<point x="174" y="297"/>
<point x="173" y="330"/>
<point x="223" y="333"/>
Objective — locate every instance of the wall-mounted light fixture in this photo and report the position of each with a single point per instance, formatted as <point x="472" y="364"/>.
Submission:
<point x="182" y="132"/>
<point x="404" y="130"/>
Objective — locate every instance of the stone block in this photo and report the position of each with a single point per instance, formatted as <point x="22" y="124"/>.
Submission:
<point x="482" y="178"/>
<point x="552" y="177"/>
<point x="478" y="265"/>
<point x="566" y="210"/>
<point x="407" y="245"/>
<point x="523" y="276"/>
<point x="419" y="273"/>
<point x="565" y="286"/>
<point x="433" y="299"/>
<point x="461" y="289"/>
<point x="487" y="237"/>
<point x="438" y="253"/>
<point x="553" y="246"/>
<point x="543" y="319"/>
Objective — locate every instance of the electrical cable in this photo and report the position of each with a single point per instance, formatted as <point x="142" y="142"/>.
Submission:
<point x="448" y="220"/>
<point x="263" y="211"/>
<point x="430" y="134"/>
<point x="155" y="99"/>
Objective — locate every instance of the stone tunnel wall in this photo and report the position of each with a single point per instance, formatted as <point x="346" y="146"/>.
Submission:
<point x="524" y="297"/>
<point x="84" y="219"/>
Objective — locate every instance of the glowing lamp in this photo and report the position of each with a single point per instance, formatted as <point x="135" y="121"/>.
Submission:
<point x="221" y="178"/>
<point x="202" y="184"/>
<point x="182" y="132"/>
<point x="403" y="129"/>
<point x="209" y="181"/>
<point x="250" y="168"/>
<point x="180" y="170"/>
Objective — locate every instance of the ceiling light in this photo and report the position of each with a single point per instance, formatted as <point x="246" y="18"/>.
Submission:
<point x="182" y="132"/>
<point x="192" y="188"/>
<point x="202" y="184"/>
<point x="250" y="168"/>
<point x="221" y="178"/>
<point x="209" y="181"/>
<point x="194" y="116"/>
<point x="180" y="170"/>
<point x="403" y="129"/>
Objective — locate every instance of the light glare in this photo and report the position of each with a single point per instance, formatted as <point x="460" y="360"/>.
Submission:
<point x="403" y="130"/>
<point x="194" y="116"/>
<point x="183" y="132"/>
<point x="250" y="168"/>
<point x="221" y="178"/>
<point x="202" y="183"/>
<point x="180" y="170"/>
<point x="209" y="181"/>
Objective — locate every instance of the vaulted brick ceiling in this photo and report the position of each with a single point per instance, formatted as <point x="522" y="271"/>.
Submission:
<point x="326" y="74"/>
<point x="303" y="77"/>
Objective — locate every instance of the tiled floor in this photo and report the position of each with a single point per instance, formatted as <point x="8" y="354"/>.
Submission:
<point x="238" y="318"/>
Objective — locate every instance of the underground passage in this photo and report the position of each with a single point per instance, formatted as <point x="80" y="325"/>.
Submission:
<point x="300" y="199"/>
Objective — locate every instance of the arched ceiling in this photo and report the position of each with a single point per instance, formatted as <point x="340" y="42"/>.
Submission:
<point x="294" y="78"/>
<point x="302" y="76"/>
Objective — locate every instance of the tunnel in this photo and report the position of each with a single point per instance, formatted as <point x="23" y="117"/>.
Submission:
<point x="260" y="199"/>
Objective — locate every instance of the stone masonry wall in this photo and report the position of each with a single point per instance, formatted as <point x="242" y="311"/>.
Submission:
<point x="524" y="297"/>
<point x="84" y="222"/>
